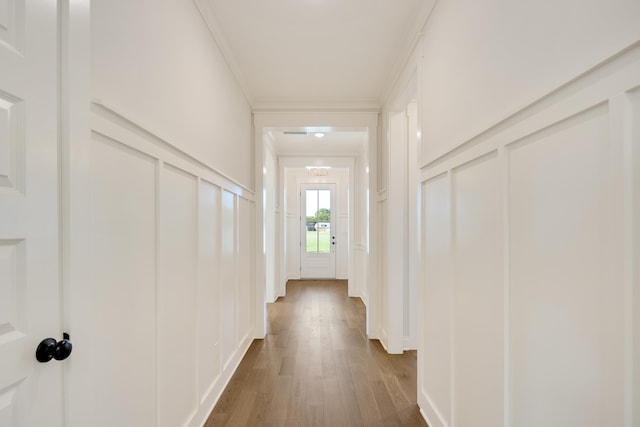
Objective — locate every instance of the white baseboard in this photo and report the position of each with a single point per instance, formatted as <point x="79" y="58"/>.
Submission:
<point x="211" y="399"/>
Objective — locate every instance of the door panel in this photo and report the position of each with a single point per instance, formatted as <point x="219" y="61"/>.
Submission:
<point x="29" y="261"/>
<point x="318" y="254"/>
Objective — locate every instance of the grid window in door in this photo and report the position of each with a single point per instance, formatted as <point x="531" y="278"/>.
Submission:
<point x="318" y="213"/>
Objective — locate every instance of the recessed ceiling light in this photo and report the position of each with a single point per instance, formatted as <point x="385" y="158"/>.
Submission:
<point x="319" y="135"/>
<point x="318" y="170"/>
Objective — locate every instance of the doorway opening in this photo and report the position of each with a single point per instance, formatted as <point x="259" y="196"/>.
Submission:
<point x="321" y="240"/>
<point x="314" y="148"/>
<point x="318" y="231"/>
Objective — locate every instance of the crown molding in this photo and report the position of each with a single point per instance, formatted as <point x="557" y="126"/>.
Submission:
<point x="406" y="52"/>
<point x="220" y="40"/>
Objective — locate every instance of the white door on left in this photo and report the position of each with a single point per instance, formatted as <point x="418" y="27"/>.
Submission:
<point x="30" y="392"/>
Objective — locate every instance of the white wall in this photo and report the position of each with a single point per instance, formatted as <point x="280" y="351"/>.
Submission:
<point x="529" y="197"/>
<point x="166" y="313"/>
<point x="486" y="60"/>
<point x="156" y="63"/>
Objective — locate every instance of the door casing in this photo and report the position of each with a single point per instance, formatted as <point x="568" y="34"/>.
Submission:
<point x="318" y="265"/>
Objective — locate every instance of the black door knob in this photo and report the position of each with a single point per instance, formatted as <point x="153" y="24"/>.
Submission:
<point x="49" y="349"/>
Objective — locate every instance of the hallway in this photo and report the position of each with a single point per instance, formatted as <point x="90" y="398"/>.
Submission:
<point x="316" y="368"/>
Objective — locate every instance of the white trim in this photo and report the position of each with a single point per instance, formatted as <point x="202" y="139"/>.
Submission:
<point x="220" y="40"/>
<point x="104" y="118"/>
<point x="358" y="120"/>
<point x="602" y="71"/>
<point x="214" y="394"/>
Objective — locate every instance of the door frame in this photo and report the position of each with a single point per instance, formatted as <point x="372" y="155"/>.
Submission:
<point x="339" y="120"/>
<point x="75" y="118"/>
<point x="332" y="187"/>
<point x="292" y="163"/>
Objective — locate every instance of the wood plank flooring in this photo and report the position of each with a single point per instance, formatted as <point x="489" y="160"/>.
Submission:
<point x="317" y="368"/>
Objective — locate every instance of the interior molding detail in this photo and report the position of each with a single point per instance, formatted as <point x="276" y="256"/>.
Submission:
<point x="12" y="25"/>
<point x="436" y="419"/>
<point x="221" y="382"/>
<point x="614" y="74"/>
<point x="220" y="41"/>
<point x="139" y="137"/>
<point x="11" y="143"/>
<point x="12" y="288"/>
<point x="491" y="218"/>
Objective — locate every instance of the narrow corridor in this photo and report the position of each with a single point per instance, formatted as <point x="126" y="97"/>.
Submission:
<point x="317" y="368"/>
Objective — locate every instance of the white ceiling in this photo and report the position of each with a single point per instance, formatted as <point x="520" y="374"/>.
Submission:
<point x="315" y="53"/>
<point x="335" y="142"/>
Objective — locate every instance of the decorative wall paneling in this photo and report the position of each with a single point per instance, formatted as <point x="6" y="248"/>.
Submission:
<point x="530" y="263"/>
<point x="173" y="251"/>
<point x="279" y="282"/>
<point x="485" y="62"/>
<point x="382" y="268"/>
<point x="192" y="100"/>
<point x="436" y="352"/>
<point x="176" y="295"/>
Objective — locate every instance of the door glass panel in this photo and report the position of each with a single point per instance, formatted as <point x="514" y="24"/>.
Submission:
<point x="318" y="226"/>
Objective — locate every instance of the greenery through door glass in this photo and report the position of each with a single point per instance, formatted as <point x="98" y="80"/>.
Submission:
<point x="318" y="221"/>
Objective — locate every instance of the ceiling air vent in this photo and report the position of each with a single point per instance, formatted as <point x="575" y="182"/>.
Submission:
<point x="295" y="133"/>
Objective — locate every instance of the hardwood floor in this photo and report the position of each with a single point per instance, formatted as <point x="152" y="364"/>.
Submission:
<point x="317" y="368"/>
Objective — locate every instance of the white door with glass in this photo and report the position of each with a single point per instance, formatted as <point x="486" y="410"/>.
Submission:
<point x="318" y="241"/>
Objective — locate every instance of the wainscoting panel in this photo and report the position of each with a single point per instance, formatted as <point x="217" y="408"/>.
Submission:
<point x="177" y="297"/>
<point x="280" y="282"/>
<point x="563" y="304"/>
<point x="529" y="280"/>
<point x="244" y="273"/>
<point x="173" y="250"/>
<point x="124" y="249"/>
<point x="478" y="300"/>
<point x="435" y="384"/>
<point x="228" y="277"/>
<point x="383" y="285"/>
<point x="208" y="299"/>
